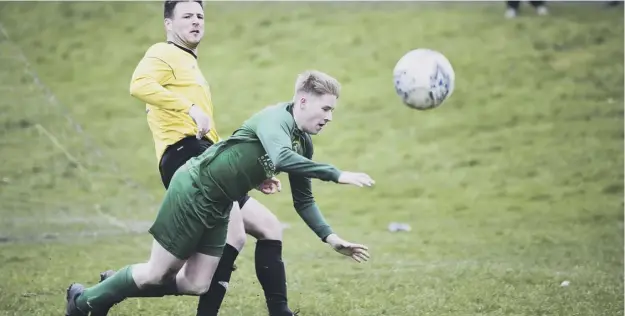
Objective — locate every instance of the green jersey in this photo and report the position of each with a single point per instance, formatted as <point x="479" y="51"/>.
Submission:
<point x="265" y="145"/>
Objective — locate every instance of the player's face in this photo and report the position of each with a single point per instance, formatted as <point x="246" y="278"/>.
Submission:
<point x="187" y="23"/>
<point x="317" y="112"/>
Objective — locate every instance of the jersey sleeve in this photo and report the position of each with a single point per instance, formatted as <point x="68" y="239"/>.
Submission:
<point x="147" y="85"/>
<point x="304" y="202"/>
<point x="275" y="135"/>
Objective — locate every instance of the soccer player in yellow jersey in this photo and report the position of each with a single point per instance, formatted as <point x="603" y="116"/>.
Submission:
<point x="179" y="112"/>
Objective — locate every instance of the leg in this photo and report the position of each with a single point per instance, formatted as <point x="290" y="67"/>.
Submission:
<point x="210" y="302"/>
<point x="186" y="223"/>
<point x="195" y="276"/>
<point x="127" y="282"/>
<point x="513" y="4"/>
<point x="512" y="7"/>
<point x="540" y="6"/>
<point x="156" y="278"/>
<point x="262" y="224"/>
<point x="537" y="4"/>
<point x="162" y="266"/>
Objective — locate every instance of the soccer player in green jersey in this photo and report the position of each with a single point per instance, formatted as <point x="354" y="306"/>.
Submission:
<point x="191" y="226"/>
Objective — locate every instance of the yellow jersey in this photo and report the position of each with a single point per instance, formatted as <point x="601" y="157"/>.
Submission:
<point x="168" y="79"/>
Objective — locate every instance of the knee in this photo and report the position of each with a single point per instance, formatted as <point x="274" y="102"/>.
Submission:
<point x="156" y="277"/>
<point x="197" y="287"/>
<point x="236" y="238"/>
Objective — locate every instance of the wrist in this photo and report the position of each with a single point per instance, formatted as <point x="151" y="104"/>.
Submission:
<point x="337" y="175"/>
<point x="330" y="238"/>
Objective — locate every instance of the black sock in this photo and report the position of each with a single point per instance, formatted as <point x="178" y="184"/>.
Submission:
<point x="513" y="4"/>
<point x="210" y="302"/>
<point x="272" y="275"/>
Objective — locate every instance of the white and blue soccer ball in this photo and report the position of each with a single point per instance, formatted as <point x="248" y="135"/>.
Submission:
<point x="424" y="79"/>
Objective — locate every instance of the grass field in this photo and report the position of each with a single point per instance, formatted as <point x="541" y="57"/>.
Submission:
<point x="512" y="187"/>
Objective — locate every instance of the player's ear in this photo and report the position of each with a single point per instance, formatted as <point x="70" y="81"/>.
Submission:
<point x="302" y="102"/>
<point x="168" y="26"/>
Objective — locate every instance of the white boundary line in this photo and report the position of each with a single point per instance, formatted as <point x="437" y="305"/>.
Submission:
<point x="66" y="238"/>
<point x="53" y="101"/>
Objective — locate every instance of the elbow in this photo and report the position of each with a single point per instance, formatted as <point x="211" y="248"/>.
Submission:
<point x="278" y="165"/>
<point x="134" y="88"/>
<point x="138" y="86"/>
<point x="281" y="161"/>
<point x="303" y="205"/>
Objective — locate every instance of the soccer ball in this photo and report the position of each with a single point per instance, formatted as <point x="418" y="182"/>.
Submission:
<point x="424" y="79"/>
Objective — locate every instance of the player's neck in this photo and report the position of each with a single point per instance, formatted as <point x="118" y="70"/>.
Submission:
<point x="181" y="44"/>
<point x="297" y="119"/>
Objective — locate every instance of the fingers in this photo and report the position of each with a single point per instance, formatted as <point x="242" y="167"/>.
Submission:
<point x="268" y="189"/>
<point x="202" y="129"/>
<point x="275" y="183"/>
<point x="365" y="179"/>
<point x="270" y="186"/>
<point x="278" y="185"/>
<point x="358" y="247"/>
<point x="361" y="180"/>
<point x="363" y="254"/>
<point x="359" y="252"/>
<point x="360" y="256"/>
<point x="201" y="120"/>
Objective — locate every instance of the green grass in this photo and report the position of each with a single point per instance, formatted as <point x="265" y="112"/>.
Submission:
<point x="511" y="187"/>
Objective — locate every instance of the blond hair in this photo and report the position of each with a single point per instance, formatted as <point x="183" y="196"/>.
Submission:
<point x="318" y="83"/>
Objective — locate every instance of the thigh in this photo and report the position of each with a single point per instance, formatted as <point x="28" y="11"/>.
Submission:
<point x="236" y="230"/>
<point x="162" y="262"/>
<point x="178" y="227"/>
<point x="260" y="222"/>
<point x="201" y="266"/>
<point x="213" y="239"/>
<point x="197" y="273"/>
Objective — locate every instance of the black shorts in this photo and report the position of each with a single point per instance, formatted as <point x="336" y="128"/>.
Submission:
<point x="177" y="155"/>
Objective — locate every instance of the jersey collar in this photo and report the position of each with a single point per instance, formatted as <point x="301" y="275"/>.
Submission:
<point x="183" y="48"/>
<point x="289" y="108"/>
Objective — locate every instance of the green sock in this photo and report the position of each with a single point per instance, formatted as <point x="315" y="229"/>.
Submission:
<point x="112" y="291"/>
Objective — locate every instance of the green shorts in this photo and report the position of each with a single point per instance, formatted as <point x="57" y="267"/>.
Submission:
<point x="189" y="221"/>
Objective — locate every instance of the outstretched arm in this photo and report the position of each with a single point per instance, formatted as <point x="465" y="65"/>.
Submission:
<point x="306" y="207"/>
<point x="275" y="136"/>
<point x="304" y="202"/>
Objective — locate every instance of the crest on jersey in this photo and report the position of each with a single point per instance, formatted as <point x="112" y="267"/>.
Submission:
<point x="297" y="147"/>
<point x="268" y="166"/>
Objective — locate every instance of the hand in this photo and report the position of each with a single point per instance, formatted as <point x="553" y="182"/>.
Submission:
<point x="356" y="178"/>
<point x="270" y="186"/>
<point x="357" y="252"/>
<point x="202" y="121"/>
